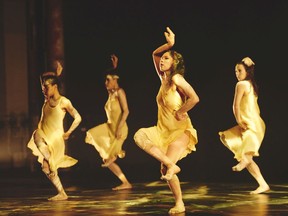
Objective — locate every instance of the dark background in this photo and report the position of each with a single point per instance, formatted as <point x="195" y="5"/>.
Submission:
<point x="212" y="36"/>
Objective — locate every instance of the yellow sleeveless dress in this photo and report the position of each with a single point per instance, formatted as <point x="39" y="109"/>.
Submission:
<point x="239" y="141"/>
<point x="52" y="130"/>
<point x="102" y="137"/>
<point x="168" y="128"/>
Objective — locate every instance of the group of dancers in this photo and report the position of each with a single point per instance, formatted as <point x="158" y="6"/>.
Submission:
<point x="170" y="140"/>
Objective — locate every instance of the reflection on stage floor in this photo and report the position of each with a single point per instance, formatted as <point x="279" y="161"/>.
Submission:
<point x="29" y="197"/>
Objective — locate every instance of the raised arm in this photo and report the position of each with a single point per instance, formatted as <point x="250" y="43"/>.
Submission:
<point x="157" y="53"/>
<point x="59" y="68"/>
<point x="58" y="72"/>
<point x="67" y="105"/>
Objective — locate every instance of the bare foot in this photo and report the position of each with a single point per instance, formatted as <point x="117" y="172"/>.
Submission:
<point x="108" y="161"/>
<point x="177" y="209"/>
<point x="123" y="187"/>
<point x="174" y="169"/>
<point x="58" y="197"/>
<point x="261" y="189"/>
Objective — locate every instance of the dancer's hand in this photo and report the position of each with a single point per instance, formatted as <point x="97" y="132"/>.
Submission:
<point x="243" y="125"/>
<point x="180" y="116"/>
<point x="170" y="36"/>
<point x="59" y="68"/>
<point x="66" y="135"/>
<point x="118" y="134"/>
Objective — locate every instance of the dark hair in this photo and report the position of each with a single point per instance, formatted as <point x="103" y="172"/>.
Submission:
<point x="250" y="75"/>
<point x="178" y="64"/>
<point x="53" y="80"/>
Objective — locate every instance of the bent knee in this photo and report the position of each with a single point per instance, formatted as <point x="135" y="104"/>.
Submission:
<point x="249" y="157"/>
<point x="141" y="139"/>
<point x="38" y="139"/>
<point x="46" y="170"/>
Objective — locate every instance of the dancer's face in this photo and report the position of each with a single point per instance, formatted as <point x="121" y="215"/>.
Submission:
<point x="48" y="90"/>
<point x="240" y="72"/>
<point x="110" y="83"/>
<point x="166" y="62"/>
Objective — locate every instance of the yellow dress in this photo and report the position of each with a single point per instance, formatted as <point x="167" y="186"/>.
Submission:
<point x="240" y="141"/>
<point x="52" y="130"/>
<point x="168" y="128"/>
<point x="102" y="137"/>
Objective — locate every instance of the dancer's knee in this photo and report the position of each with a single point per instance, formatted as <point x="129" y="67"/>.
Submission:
<point x="38" y="139"/>
<point x="141" y="140"/>
<point x="248" y="157"/>
<point x="48" y="172"/>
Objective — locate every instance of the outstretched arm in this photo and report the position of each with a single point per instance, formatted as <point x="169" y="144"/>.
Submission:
<point x="191" y="97"/>
<point x="125" y="112"/>
<point x="156" y="55"/>
<point x="67" y="105"/>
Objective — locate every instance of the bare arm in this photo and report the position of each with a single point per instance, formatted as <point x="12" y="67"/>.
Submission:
<point x="58" y="72"/>
<point x="59" y="68"/>
<point x="41" y="117"/>
<point x="125" y="111"/>
<point x="67" y="105"/>
<point x="190" y="94"/>
<point x="239" y="93"/>
<point x="52" y="73"/>
<point x="156" y="55"/>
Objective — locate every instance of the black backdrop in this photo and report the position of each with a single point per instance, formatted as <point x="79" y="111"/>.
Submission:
<point x="212" y="36"/>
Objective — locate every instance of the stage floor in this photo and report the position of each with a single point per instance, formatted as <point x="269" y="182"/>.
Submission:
<point x="28" y="196"/>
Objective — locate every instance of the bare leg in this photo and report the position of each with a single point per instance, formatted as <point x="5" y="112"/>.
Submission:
<point x="241" y="165"/>
<point x="174" y="152"/>
<point x="108" y="161"/>
<point x="256" y="173"/>
<point x="41" y="145"/>
<point x="175" y="187"/>
<point x="143" y="142"/>
<point x="43" y="148"/>
<point x="54" y="178"/>
<point x="172" y="168"/>
<point x="118" y="172"/>
<point x="48" y="168"/>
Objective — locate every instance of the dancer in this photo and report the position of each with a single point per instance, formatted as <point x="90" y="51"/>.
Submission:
<point x="108" y="138"/>
<point x="174" y="136"/>
<point x="244" y="139"/>
<point x="48" y="140"/>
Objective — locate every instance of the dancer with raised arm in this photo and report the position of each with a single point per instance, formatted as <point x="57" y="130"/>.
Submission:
<point x="48" y="140"/>
<point x="108" y="138"/>
<point x="174" y="135"/>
